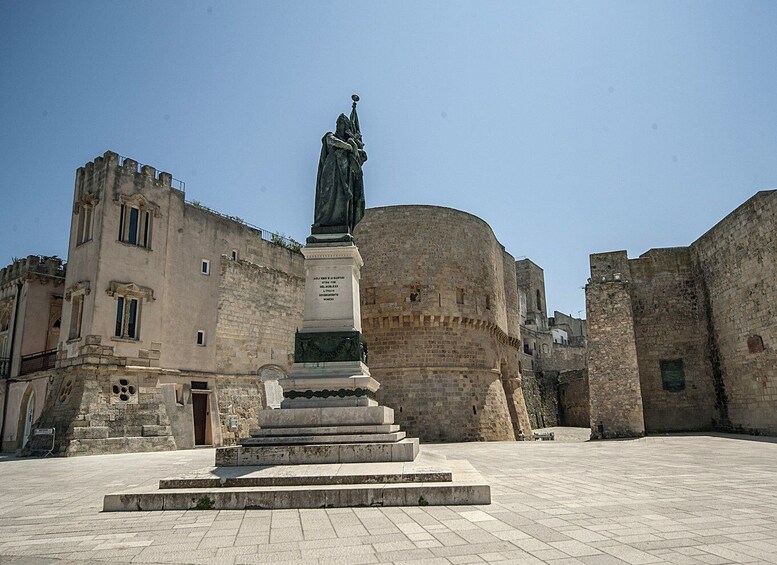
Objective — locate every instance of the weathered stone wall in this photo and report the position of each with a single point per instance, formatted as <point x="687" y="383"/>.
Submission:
<point x="440" y="316"/>
<point x="531" y="281"/>
<point x="113" y="409"/>
<point x="242" y="398"/>
<point x="568" y="357"/>
<point x="712" y="306"/>
<point x="574" y="401"/>
<point x="541" y="393"/>
<point x="613" y="373"/>
<point x="259" y="309"/>
<point x="669" y="324"/>
<point x="86" y="404"/>
<point x="738" y="262"/>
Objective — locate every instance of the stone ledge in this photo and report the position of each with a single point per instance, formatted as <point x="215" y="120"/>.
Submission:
<point x="326" y="416"/>
<point x="326" y="430"/>
<point x="403" y="450"/>
<point x="328" y="439"/>
<point x="467" y="487"/>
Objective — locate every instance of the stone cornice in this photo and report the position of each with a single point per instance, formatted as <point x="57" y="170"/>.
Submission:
<point x="81" y="287"/>
<point x="438" y="320"/>
<point x="88" y="198"/>
<point x="140" y="201"/>
<point x="130" y="289"/>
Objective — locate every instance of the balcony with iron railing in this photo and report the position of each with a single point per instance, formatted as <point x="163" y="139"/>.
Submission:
<point x="5" y="367"/>
<point x="38" y="362"/>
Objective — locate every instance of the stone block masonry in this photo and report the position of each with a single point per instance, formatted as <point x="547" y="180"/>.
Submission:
<point x="737" y="264"/>
<point x="704" y="328"/>
<point x="615" y="395"/>
<point x="259" y="309"/>
<point x="440" y="313"/>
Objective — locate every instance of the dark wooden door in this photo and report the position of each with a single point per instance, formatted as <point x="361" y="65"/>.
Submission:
<point x="200" y="409"/>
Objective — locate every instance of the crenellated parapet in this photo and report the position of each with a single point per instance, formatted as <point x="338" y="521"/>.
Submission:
<point x="91" y="179"/>
<point x="31" y="267"/>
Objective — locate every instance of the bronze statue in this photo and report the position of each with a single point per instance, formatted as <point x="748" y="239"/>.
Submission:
<point x="340" y="181"/>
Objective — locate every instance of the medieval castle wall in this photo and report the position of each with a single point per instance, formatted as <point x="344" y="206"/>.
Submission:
<point x="703" y="329"/>
<point x="737" y="260"/>
<point x="440" y="314"/>
<point x="613" y="372"/>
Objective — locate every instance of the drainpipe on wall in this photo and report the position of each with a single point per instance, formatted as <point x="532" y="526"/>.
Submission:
<point x="10" y="362"/>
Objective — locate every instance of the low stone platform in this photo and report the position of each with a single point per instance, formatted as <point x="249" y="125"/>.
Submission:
<point x="318" y="453"/>
<point x="275" y="439"/>
<point x="427" y="481"/>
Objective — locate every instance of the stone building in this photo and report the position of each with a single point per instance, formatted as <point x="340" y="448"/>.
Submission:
<point x="173" y="323"/>
<point x="683" y="339"/>
<point x="31" y="292"/>
<point x="177" y="320"/>
<point x="440" y="313"/>
<point x="553" y="352"/>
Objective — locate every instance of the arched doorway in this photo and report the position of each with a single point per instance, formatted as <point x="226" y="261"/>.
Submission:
<point x="28" y="419"/>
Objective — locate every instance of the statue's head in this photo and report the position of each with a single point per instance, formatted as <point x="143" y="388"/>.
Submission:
<point x="343" y="126"/>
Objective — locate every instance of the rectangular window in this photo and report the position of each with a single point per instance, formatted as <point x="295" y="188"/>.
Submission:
<point x="200" y="337"/>
<point x="459" y="296"/>
<point x="127" y="317"/>
<point x="132" y="232"/>
<point x="132" y="319"/>
<point x="205" y="268"/>
<point x="488" y="302"/>
<point x="84" y="224"/>
<point x="234" y="254"/>
<point x="122" y="213"/>
<point x="672" y="375"/>
<point x="135" y="226"/>
<point x="119" y="317"/>
<point x="76" y="314"/>
<point x="146" y="228"/>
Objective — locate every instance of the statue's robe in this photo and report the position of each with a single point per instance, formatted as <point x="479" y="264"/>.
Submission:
<point x="334" y="191"/>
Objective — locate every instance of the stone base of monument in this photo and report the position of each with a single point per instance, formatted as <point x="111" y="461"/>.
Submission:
<point x="317" y="458"/>
<point x="426" y="481"/>
<point x="325" y="435"/>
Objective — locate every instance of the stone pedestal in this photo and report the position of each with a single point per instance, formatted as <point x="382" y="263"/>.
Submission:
<point x="329" y="444"/>
<point x="329" y="351"/>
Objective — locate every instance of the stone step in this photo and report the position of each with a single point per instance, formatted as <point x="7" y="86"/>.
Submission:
<point x="318" y="439"/>
<point x="424" y="469"/>
<point x="466" y="487"/>
<point x="402" y="450"/>
<point x="329" y="416"/>
<point x="325" y="430"/>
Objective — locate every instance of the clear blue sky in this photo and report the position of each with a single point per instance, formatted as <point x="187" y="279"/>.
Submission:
<point x="570" y="128"/>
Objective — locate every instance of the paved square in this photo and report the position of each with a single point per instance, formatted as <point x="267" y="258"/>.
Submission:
<point x="676" y="499"/>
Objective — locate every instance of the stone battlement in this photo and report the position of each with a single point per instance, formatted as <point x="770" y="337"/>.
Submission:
<point x="30" y="266"/>
<point x="91" y="176"/>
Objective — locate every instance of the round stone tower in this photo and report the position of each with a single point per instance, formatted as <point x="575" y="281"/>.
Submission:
<point x="440" y="314"/>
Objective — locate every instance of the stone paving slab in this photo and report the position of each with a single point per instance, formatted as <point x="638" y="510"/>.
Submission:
<point x="692" y="499"/>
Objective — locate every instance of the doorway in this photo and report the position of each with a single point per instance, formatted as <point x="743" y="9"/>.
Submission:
<point x="28" y="419"/>
<point x="201" y="419"/>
